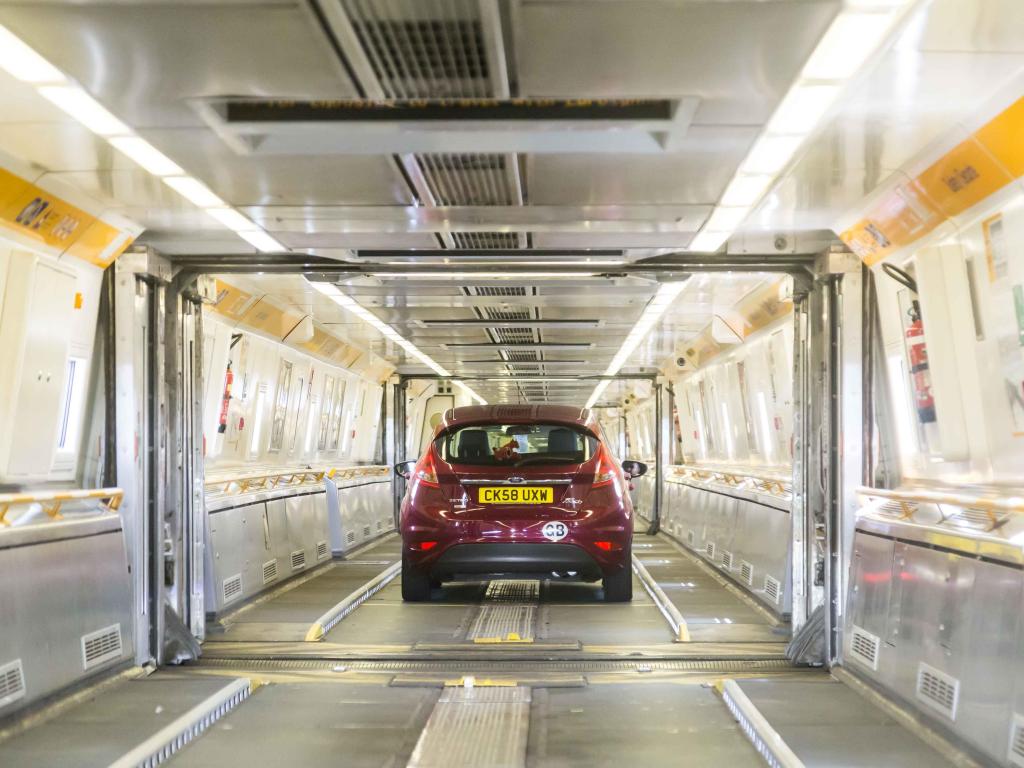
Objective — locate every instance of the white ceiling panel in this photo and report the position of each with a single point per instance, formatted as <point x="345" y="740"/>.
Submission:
<point x="145" y="62"/>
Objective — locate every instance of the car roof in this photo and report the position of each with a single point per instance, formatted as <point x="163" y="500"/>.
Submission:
<point x="484" y="414"/>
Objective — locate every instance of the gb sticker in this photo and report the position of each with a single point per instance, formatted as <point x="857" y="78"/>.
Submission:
<point x="555" y="531"/>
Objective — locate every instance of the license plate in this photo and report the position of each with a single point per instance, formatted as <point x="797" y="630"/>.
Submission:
<point x="507" y="495"/>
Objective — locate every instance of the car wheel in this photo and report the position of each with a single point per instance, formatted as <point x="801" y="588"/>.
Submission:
<point x="415" y="583"/>
<point x="618" y="586"/>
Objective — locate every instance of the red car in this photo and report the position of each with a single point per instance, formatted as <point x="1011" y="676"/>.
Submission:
<point x="528" y="492"/>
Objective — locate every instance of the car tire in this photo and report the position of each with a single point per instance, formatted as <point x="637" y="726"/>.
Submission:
<point x="415" y="583"/>
<point x="618" y="585"/>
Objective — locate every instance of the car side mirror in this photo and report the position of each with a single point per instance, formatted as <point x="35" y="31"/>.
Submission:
<point x="634" y="468"/>
<point x="405" y="468"/>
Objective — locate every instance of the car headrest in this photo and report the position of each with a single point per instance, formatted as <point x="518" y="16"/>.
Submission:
<point x="561" y="441"/>
<point x="473" y="444"/>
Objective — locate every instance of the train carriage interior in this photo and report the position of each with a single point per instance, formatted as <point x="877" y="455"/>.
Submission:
<point x="512" y="383"/>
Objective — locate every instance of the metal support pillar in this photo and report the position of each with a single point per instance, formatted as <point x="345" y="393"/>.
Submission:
<point x="399" y="429"/>
<point x="661" y="446"/>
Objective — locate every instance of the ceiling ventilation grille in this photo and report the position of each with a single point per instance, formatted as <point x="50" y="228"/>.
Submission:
<point x="468" y="179"/>
<point x="423" y="48"/>
<point x="747" y="573"/>
<point x="12" y="682"/>
<point x="485" y="241"/>
<point x="101" y="646"/>
<point x="496" y="290"/>
<point x="298" y="559"/>
<point x="322" y="550"/>
<point x="864" y="647"/>
<point x="513" y="335"/>
<point x="232" y="587"/>
<point x="521" y="356"/>
<point x="773" y="589"/>
<point x="269" y="571"/>
<point x="506" y="313"/>
<point x="937" y="690"/>
<point x="1016" y="741"/>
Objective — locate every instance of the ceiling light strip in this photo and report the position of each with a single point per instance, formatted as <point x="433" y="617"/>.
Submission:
<point x="856" y="33"/>
<point x="23" y="63"/>
<point x="332" y="292"/>
<point x="653" y="312"/>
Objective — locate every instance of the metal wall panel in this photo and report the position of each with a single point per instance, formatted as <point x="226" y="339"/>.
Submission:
<point x="245" y="538"/>
<point x="952" y="611"/>
<point x="72" y="581"/>
<point x="752" y="531"/>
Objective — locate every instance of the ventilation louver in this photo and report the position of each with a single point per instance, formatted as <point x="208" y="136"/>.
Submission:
<point x="101" y="646"/>
<point x="366" y="531"/>
<point x="380" y="526"/>
<point x="496" y="290"/>
<point x="322" y="550"/>
<point x="709" y="550"/>
<point x="865" y="647"/>
<point x="424" y="48"/>
<point x="691" y="537"/>
<point x="232" y="588"/>
<point x="12" y="682"/>
<point x="772" y="589"/>
<point x="747" y="573"/>
<point x="485" y="241"/>
<point x="937" y="690"/>
<point x="727" y="560"/>
<point x="298" y="559"/>
<point x="269" y="571"/>
<point x="350" y="537"/>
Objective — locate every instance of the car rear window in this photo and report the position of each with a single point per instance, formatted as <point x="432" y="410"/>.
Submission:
<point x="513" y="445"/>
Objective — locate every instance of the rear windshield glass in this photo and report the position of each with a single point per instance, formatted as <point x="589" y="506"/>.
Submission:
<point x="515" y="445"/>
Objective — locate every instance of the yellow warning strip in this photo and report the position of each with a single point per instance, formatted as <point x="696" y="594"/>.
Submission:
<point x="33" y="213"/>
<point x="981" y="165"/>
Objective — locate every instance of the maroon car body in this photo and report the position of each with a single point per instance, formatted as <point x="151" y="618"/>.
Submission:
<point x="517" y="492"/>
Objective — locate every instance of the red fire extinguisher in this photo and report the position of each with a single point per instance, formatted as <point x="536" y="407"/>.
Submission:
<point x="222" y="425"/>
<point x="920" y="375"/>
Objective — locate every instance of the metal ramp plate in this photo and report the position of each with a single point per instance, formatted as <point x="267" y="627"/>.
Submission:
<point x="472" y="727"/>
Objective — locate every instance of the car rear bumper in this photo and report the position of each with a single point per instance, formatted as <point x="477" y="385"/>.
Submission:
<point x="521" y="560"/>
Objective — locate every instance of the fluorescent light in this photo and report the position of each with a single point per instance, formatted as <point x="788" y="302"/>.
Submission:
<point x="232" y="219"/>
<point x="708" y="242"/>
<point x="518" y="262"/>
<point x="261" y="241"/>
<point x="771" y="154"/>
<point x="726" y="219"/>
<point x="802" y="109"/>
<point x="146" y="155"/>
<point x="194" y="191"/>
<point x="746" y="190"/>
<point x="847" y="44"/>
<point x="23" y="63"/>
<point x="655" y="308"/>
<point x="469" y="391"/>
<point x="332" y="292"/>
<point x="85" y="109"/>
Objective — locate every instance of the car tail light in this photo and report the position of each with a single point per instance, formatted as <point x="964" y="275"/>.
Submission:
<point x="425" y="545"/>
<point x="603" y="545"/>
<point x="606" y="471"/>
<point x="425" y="471"/>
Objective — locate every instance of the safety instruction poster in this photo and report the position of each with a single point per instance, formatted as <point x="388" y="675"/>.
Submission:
<point x="1006" y="275"/>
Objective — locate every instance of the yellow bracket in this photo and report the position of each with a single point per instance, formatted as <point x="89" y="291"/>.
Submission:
<point x="485" y="682"/>
<point x="511" y="637"/>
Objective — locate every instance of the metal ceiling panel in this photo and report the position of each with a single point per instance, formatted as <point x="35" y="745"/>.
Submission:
<point x="145" y="62"/>
<point x="738" y="57"/>
<point x="305" y="180"/>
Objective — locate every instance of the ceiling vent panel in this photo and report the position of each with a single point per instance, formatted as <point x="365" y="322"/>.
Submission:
<point x="507" y="313"/>
<point x="513" y="335"/>
<point x="498" y="290"/>
<point x="422" y="49"/>
<point x="485" y="241"/>
<point x="469" y="179"/>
